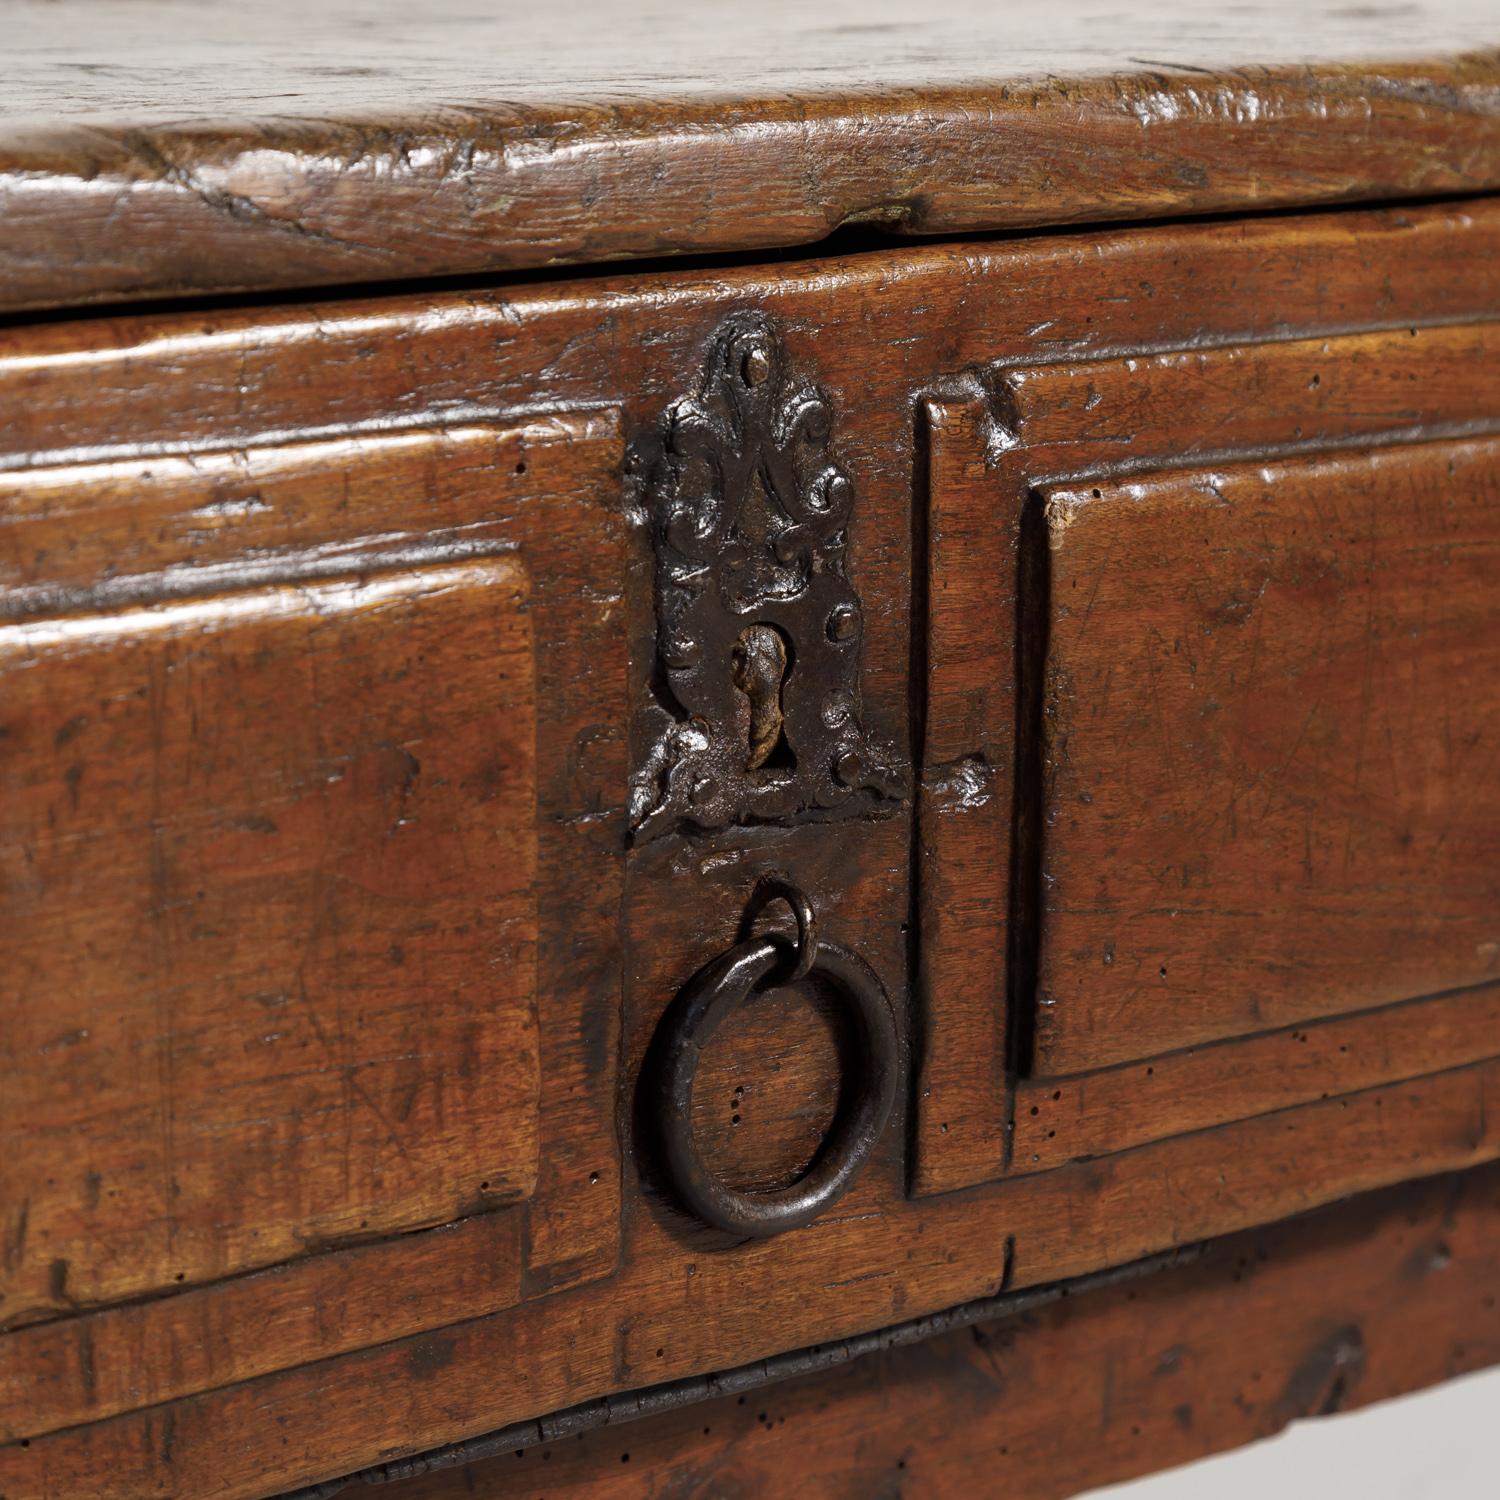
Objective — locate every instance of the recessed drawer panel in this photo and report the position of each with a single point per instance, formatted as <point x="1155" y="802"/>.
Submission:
<point x="1211" y="657"/>
<point x="1269" y="731"/>
<point x="269" y="903"/>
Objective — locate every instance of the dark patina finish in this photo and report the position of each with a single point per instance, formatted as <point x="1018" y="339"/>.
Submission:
<point x="755" y="712"/>
<point x="753" y="966"/>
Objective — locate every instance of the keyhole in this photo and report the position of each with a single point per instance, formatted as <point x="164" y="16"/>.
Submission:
<point x="758" y="666"/>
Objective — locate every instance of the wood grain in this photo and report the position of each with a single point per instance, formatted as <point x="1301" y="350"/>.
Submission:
<point x="136" y="525"/>
<point x="295" y="512"/>
<point x="1182" y="405"/>
<point x="1271" y="780"/>
<point x="680" y="1309"/>
<point x="761" y="1104"/>
<point x="137" y="1354"/>
<point x="1058" y="1120"/>
<point x="163" y="384"/>
<point x="1322" y="1314"/>
<point x="965" y="809"/>
<point x="618" y="1289"/>
<point x="246" y="842"/>
<point x="1119" y="419"/>
<point x="289" y="147"/>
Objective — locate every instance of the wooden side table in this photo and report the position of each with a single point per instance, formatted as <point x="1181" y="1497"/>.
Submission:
<point x="818" y="861"/>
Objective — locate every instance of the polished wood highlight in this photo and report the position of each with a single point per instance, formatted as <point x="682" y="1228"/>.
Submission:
<point x="1041" y="638"/>
<point x="319" y="517"/>
<point x="965" y="811"/>
<point x="176" y="151"/>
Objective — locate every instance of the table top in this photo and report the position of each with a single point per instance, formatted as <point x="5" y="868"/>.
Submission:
<point x="171" y="147"/>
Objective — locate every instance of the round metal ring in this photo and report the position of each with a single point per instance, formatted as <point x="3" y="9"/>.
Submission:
<point x="693" y="1018"/>
<point x="778" y="888"/>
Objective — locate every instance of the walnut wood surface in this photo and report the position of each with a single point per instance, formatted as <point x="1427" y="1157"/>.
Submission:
<point x="761" y="1106"/>
<point x="305" y="512"/>
<point x="166" y="150"/>
<point x="1272" y="790"/>
<point x="252" y="1007"/>
<point x="1058" y="1120"/>
<point x="660" y="1320"/>
<point x="172" y="457"/>
<point x="965" y="814"/>
<point x="1319" y="1315"/>
<point x="1017" y="652"/>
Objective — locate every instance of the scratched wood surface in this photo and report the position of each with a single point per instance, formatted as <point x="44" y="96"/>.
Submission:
<point x="248" y="842"/>
<point x="966" y="811"/>
<point x="1272" y="784"/>
<point x="606" y="1285"/>
<point x="222" y="539"/>
<point x="1319" y="1315"/>
<point x="674" y="1311"/>
<point x="1013" y="658"/>
<point x="1058" y="1120"/>
<point x="175" y="150"/>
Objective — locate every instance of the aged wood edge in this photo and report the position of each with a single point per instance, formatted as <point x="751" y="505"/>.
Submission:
<point x="145" y="210"/>
<point x="652" y="1400"/>
<point x="1410" y="1263"/>
<point x="1227" y="1044"/>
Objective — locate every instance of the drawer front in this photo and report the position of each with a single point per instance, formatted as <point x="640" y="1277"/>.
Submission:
<point x="306" y="904"/>
<point x="717" y="766"/>
<point x="1268" y="790"/>
<point x="1239" y="590"/>
<point x="252" y="845"/>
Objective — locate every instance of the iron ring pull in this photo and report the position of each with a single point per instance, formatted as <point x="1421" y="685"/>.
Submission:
<point x="687" y="1027"/>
